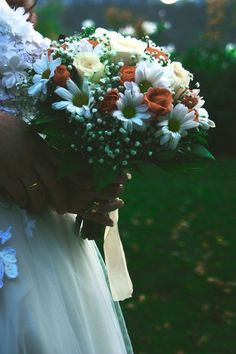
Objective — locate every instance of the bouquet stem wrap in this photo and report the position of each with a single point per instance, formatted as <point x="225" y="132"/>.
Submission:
<point x="118" y="275"/>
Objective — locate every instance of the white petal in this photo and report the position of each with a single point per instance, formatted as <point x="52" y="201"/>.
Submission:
<point x="60" y="105"/>
<point x="189" y="125"/>
<point x="39" y="67"/>
<point x="165" y="138"/>
<point x="72" y="87"/>
<point x="53" y="64"/>
<point x="35" y="89"/>
<point x="63" y="93"/>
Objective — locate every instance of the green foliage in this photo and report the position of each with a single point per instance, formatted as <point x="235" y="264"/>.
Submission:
<point x="178" y="232"/>
<point x="50" y="19"/>
<point x="215" y="69"/>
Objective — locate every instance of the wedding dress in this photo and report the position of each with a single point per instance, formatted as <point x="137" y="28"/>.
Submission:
<point x="54" y="296"/>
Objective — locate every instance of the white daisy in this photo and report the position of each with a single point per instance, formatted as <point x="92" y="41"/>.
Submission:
<point x="84" y="46"/>
<point x="44" y="68"/>
<point x="152" y="74"/>
<point x="203" y="119"/>
<point x="76" y="101"/>
<point x="132" y="112"/>
<point x="175" y="125"/>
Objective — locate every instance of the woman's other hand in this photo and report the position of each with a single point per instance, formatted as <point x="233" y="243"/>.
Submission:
<point x="26" y="173"/>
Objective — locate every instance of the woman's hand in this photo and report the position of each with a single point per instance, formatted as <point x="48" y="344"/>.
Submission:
<point x="82" y="195"/>
<point x="26" y="173"/>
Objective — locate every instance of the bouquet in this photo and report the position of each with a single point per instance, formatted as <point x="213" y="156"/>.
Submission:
<point x="112" y="102"/>
<point x="109" y="102"/>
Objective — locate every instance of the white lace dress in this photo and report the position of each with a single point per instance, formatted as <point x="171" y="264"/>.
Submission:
<point x="54" y="297"/>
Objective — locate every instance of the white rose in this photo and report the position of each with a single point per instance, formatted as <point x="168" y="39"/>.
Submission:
<point x="125" y="47"/>
<point x="181" y="77"/>
<point x="89" y="65"/>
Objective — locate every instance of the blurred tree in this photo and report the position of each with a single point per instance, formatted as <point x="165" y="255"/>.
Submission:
<point x="216" y="10"/>
<point x="50" y="19"/>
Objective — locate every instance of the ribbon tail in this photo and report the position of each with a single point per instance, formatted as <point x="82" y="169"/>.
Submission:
<point x="118" y="275"/>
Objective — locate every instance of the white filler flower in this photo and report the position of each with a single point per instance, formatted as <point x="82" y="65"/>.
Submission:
<point x="131" y="110"/>
<point x="76" y="101"/>
<point x="175" y="125"/>
<point x="45" y="69"/>
<point x="152" y="74"/>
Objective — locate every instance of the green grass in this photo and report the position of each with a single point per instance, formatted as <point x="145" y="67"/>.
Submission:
<point x="179" y="234"/>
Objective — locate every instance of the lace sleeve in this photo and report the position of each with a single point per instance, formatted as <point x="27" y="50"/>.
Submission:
<point x="20" y="46"/>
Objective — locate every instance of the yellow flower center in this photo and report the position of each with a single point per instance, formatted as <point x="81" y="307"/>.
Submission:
<point x="80" y="100"/>
<point x="145" y="85"/>
<point x="129" y="112"/>
<point x="46" y="74"/>
<point x="174" y="125"/>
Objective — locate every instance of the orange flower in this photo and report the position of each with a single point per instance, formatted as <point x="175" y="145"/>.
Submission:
<point x="190" y="101"/>
<point x="50" y="51"/>
<point x="109" y="102"/>
<point x="196" y="119"/>
<point x="159" y="101"/>
<point x="127" y="73"/>
<point x="158" y="53"/>
<point x="93" y="42"/>
<point x="61" y="75"/>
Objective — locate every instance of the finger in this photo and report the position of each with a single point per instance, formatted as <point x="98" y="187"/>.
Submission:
<point x="36" y="196"/>
<point x="14" y="188"/>
<point x="110" y="206"/>
<point x="53" y="156"/>
<point x="111" y="192"/>
<point x="55" y="189"/>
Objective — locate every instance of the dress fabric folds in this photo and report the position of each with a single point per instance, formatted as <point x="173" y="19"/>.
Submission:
<point x="60" y="303"/>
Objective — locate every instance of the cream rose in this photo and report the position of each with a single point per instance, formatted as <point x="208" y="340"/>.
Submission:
<point x="89" y="65"/>
<point x="181" y="77"/>
<point x="125" y="47"/>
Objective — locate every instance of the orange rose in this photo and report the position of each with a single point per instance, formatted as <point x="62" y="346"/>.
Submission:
<point x="93" y="42"/>
<point x="61" y="75"/>
<point x="159" y="101"/>
<point x="109" y="102"/>
<point x="127" y="73"/>
<point x="158" y="53"/>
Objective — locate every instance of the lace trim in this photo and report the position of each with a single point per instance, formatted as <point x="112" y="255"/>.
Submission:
<point x="8" y="262"/>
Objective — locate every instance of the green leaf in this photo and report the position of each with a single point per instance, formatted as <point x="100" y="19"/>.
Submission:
<point x="198" y="138"/>
<point x="103" y="175"/>
<point x="142" y="166"/>
<point x="43" y="120"/>
<point x="167" y="155"/>
<point x="201" y="151"/>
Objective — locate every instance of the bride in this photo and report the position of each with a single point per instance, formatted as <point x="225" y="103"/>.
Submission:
<point x="54" y="297"/>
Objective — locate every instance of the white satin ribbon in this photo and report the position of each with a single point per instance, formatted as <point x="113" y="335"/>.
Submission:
<point x="118" y="275"/>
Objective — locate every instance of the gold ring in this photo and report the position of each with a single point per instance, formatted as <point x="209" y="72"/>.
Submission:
<point x="93" y="209"/>
<point x="33" y="186"/>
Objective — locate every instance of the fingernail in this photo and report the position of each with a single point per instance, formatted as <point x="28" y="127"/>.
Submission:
<point x="122" y="203"/>
<point x="129" y="176"/>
